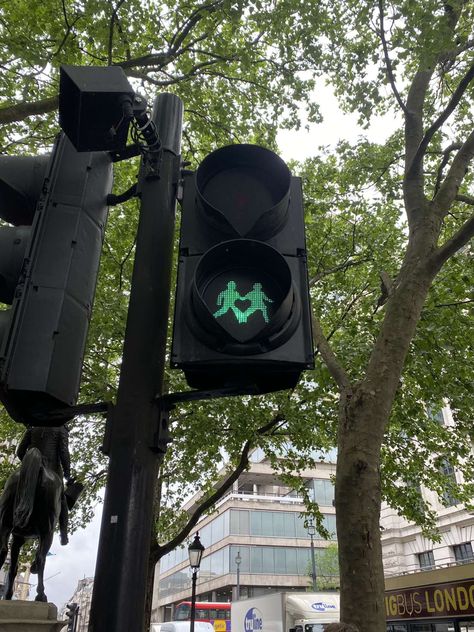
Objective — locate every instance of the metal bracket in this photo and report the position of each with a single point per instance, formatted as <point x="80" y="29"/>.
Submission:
<point x="161" y="436"/>
<point x="170" y="400"/>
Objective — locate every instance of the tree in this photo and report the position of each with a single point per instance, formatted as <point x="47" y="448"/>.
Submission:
<point x="423" y="54"/>
<point x="328" y="568"/>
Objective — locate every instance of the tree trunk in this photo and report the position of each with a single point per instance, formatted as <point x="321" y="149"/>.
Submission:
<point x="363" y="417"/>
<point x="357" y="513"/>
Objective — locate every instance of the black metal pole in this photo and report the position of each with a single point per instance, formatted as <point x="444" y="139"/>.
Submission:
<point x="193" y="601"/>
<point x="237" y="592"/>
<point x="118" y="597"/>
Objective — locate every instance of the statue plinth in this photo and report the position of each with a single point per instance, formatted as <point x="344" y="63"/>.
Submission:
<point x="29" y="616"/>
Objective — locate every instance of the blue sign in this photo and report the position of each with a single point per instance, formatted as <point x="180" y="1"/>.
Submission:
<point x="253" y="621"/>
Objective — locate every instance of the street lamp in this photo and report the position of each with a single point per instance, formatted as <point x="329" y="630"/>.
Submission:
<point x="195" y="551"/>
<point x="238" y="560"/>
<point x="311" y="529"/>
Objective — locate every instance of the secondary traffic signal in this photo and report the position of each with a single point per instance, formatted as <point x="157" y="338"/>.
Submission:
<point x="242" y="312"/>
<point x="49" y="261"/>
<point x="72" y="611"/>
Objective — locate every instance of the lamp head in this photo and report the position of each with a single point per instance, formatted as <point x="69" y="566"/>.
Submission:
<point x="195" y="551"/>
<point x="309" y="526"/>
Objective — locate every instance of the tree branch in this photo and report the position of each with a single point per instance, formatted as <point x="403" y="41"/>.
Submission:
<point x="446" y="153"/>
<point x="388" y="62"/>
<point x="334" y="367"/>
<point x="449" y="189"/>
<point x="467" y="199"/>
<point x="430" y="132"/>
<point x="219" y="492"/>
<point x="21" y="111"/>
<point x="450" y="247"/>
<point x="113" y="20"/>
<point x="343" y="266"/>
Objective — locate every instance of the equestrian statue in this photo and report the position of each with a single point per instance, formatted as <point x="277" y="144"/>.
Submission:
<point x="34" y="500"/>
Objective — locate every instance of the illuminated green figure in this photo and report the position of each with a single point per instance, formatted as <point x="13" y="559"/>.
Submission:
<point x="257" y="298"/>
<point x="226" y="300"/>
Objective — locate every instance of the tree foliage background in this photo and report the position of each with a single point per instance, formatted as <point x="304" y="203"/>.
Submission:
<point x="245" y="70"/>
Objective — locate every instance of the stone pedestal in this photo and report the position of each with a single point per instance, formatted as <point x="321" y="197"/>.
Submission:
<point x="29" y="616"/>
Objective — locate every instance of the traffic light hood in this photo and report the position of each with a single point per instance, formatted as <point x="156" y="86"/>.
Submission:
<point x="244" y="190"/>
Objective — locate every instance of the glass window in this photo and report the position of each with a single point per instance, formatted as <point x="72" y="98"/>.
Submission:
<point x="239" y="522"/>
<point x="183" y="612"/>
<point x="303" y="556"/>
<point x="256" y="563"/>
<point x="426" y="560"/>
<point x="329" y="521"/>
<point x="268" y="564"/>
<point x="217" y="562"/>
<point x="205" y="569"/>
<point x="202" y="614"/>
<point x="226" y="518"/>
<point x="256" y="523"/>
<point x="279" y="556"/>
<point x="448" y="470"/>
<point x="217" y="529"/>
<point x="323" y="492"/>
<point x="244" y="556"/>
<point x="300" y="530"/>
<point x="463" y="552"/>
<point x="291" y="561"/>
<point x="283" y="524"/>
<point x="267" y="523"/>
<point x="205" y="535"/>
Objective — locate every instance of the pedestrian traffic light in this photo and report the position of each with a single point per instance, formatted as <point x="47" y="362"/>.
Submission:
<point x="49" y="261"/>
<point x="242" y="312"/>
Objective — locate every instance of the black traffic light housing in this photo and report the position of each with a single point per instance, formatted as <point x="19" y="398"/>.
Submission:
<point x="72" y="611"/>
<point x="95" y="106"/>
<point x="242" y="311"/>
<point x="48" y="271"/>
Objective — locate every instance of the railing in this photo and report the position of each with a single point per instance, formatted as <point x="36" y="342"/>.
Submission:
<point x="270" y="496"/>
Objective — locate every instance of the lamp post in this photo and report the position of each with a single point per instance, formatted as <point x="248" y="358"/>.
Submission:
<point x="195" y="551"/>
<point x="311" y="529"/>
<point x="238" y="560"/>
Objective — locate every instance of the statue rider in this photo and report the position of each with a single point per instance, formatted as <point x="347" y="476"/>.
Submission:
<point x="53" y="443"/>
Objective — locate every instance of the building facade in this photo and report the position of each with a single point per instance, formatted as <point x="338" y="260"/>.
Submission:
<point x="83" y="597"/>
<point x="258" y="522"/>
<point x="406" y="550"/>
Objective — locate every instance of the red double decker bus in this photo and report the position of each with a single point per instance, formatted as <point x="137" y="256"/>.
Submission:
<point x="217" y="613"/>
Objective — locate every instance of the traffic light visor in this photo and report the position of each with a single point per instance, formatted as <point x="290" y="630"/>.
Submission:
<point x="21" y="182"/>
<point x="244" y="190"/>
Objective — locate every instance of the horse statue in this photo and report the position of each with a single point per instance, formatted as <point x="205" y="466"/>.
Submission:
<point x="33" y="501"/>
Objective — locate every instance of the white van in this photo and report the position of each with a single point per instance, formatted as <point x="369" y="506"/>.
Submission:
<point x="181" y="626"/>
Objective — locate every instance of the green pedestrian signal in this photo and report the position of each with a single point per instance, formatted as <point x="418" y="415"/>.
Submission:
<point x="242" y="312"/>
<point x="227" y="300"/>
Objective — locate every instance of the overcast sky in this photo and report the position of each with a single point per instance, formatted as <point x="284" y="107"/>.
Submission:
<point x="67" y="565"/>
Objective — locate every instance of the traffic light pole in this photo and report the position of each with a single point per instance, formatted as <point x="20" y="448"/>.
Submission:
<point x="134" y="427"/>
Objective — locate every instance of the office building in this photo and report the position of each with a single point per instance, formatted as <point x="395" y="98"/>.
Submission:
<point x="258" y="522"/>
